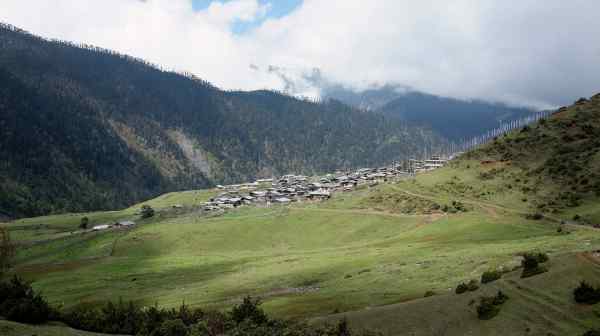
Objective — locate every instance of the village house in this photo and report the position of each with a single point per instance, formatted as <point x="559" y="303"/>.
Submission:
<point x="282" y="200"/>
<point x="125" y="223"/>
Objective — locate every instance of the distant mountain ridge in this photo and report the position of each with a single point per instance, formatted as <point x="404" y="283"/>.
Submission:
<point x="87" y="129"/>
<point x="451" y="118"/>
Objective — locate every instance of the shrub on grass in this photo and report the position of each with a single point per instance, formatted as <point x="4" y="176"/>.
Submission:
<point x="467" y="287"/>
<point x="500" y="298"/>
<point x="459" y="206"/>
<point x="531" y="264"/>
<point x="490" y="276"/>
<point x="489" y="306"/>
<point x="84" y="319"/>
<point x="429" y="293"/>
<point x="342" y="328"/>
<point x="147" y="211"/>
<point x="199" y="329"/>
<point x="20" y="303"/>
<point x="534" y="216"/>
<point x="249" y="309"/>
<point x="533" y="271"/>
<point x="172" y="328"/>
<point x="461" y="288"/>
<point x="84" y="223"/>
<point x="586" y="293"/>
<point x="593" y="332"/>
<point x="486" y="309"/>
<point x="473" y="285"/>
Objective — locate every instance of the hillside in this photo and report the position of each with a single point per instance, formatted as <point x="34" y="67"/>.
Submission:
<point x="554" y="164"/>
<point x="88" y="129"/>
<point x="370" y="254"/>
<point x="540" y="305"/>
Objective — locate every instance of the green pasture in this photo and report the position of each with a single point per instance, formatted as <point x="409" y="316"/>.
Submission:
<point x="303" y="260"/>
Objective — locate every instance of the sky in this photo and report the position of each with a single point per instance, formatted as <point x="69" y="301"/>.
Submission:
<point x="528" y="53"/>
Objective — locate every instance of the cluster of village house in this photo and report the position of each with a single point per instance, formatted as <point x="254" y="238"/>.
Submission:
<point x="294" y="188"/>
<point x="297" y="188"/>
<point x="416" y="166"/>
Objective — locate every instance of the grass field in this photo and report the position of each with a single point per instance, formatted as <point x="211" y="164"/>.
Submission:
<point x="540" y="305"/>
<point x="40" y="229"/>
<point x="372" y="252"/>
<point x="8" y="328"/>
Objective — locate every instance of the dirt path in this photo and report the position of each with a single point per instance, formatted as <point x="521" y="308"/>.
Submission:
<point x="492" y="208"/>
<point x="592" y="257"/>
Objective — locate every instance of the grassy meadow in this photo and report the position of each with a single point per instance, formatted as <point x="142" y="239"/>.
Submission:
<point x="8" y="328"/>
<point x="371" y="254"/>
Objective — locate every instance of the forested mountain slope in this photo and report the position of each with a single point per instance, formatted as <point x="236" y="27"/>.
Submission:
<point x="86" y="128"/>
<point x="453" y="119"/>
<point x="450" y="118"/>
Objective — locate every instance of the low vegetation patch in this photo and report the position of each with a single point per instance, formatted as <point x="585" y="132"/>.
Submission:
<point x="147" y="211"/>
<point x="455" y="207"/>
<point x="19" y="303"/>
<point x="490" y="276"/>
<point x="402" y="203"/>
<point x="85" y="221"/>
<point x="246" y="318"/>
<point x="586" y="294"/>
<point x="535" y="216"/>
<point x="531" y="264"/>
<point x="489" y="306"/>
<point x="471" y="286"/>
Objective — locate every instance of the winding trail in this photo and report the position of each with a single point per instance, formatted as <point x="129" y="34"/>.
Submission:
<point x="491" y="208"/>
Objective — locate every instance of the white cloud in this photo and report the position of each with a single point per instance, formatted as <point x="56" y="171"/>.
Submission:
<point x="527" y="52"/>
<point x="224" y="13"/>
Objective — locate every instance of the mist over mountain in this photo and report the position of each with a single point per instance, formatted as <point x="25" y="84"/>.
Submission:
<point x="450" y="118"/>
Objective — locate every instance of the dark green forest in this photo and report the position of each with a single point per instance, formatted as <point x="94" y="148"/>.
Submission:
<point x="84" y="128"/>
<point x="451" y="118"/>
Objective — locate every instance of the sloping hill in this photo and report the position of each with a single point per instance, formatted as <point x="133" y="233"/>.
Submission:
<point x="541" y="305"/>
<point x="85" y="128"/>
<point x="554" y="164"/>
<point x="550" y="168"/>
<point x="372" y="253"/>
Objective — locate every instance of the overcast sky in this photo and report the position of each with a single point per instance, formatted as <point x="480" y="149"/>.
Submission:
<point x="538" y="53"/>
